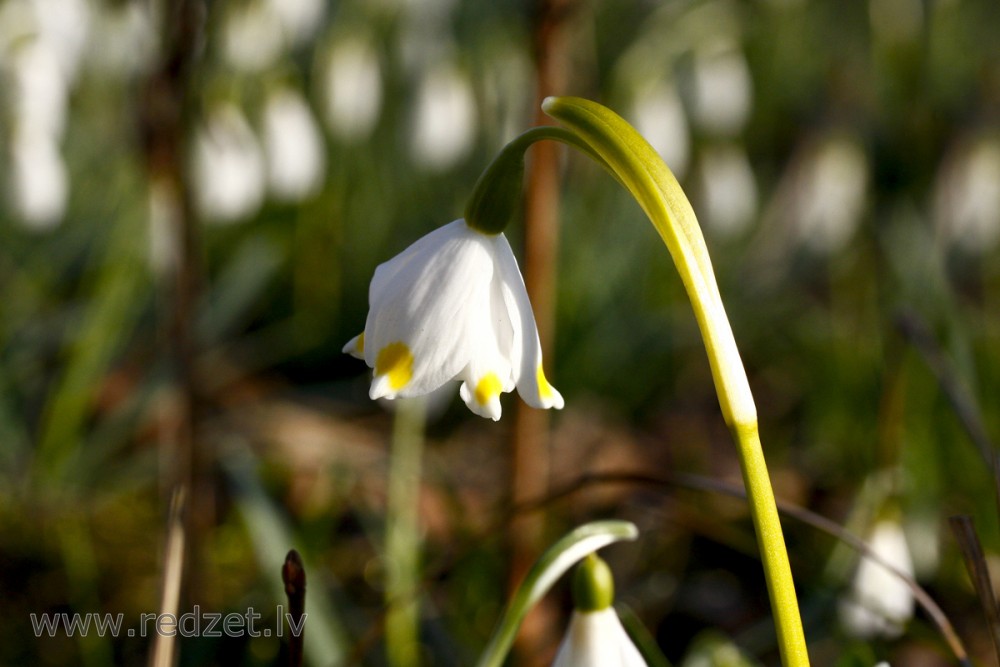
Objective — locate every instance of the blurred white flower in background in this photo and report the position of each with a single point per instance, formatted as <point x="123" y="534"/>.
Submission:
<point x="38" y="87"/>
<point x="728" y="189"/>
<point x="252" y="36"/>
<point x="352" y="88"/>
<point x="123" y="39"/>
<point x="444" y="121"/>
<point x="228" y="169"/>
<point x="294" y="146"/>
<point x="256" y="33"/>
<point x="38" y="61"/>
<point x="164" y="214"/>
<point x="879" y="603"/>
<point x="822" y="196"/>
<point x="722" y="91"/>
<point x="299" y="19"/>
<point x="831" y="194"/>
<point x="425" y="33"/>
<point x="967" y="195"/>
<point x="17" y="21"/>
<point x="38" y="184"/>
<point x="63" y="25"/>
<point x="659" y="116"/>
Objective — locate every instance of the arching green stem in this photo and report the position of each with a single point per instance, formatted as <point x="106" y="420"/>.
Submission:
<point x="634" y="163"/>
<point x="497" y="194"/>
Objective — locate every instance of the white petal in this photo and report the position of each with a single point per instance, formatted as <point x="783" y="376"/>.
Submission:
<point x="630" y="656"/>
<point x="597" y="639"/>
<point x="489" y="372"/>
<point x="502" y="329"/>
<point x="355" y="347"/>
<point x="423" y="299"/>
<point x="381" y="388"/>
<point x="387" y="271"/>
<point x="490" y="409"/>
<point x="526" y="350"/>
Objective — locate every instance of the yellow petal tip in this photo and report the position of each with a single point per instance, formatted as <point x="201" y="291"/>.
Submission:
<point x="488" y="388"/>
<point x="395" y="361"/>
<point x="545" y="391"/>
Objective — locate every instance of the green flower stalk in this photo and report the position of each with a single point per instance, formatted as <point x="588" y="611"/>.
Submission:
<point x="638" y="167"/>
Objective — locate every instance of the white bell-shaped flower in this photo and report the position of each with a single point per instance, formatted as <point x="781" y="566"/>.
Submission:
<point x="352" y="78"/>
<point x="64" y="26"/>
<point x="453" y="306"/>
<point x="659" y="116"/>
<point x="595" y="637"/>
<point x="38" y="88"/>
<point x="293" y="144"/>
<point x="967" y="196"/>
<point x="299" y="19"/>
<point x="228" y="170"/>
<point x="252" y="38"/>
<point x="722" y="90"/>
<point x="37" y="179"/>
<point x="880" y="603"/>
<point x="123" y="39"/>
<point x="444" y="123"/>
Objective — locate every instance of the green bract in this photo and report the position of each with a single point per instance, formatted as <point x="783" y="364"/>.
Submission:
<point x="593" y="585"/>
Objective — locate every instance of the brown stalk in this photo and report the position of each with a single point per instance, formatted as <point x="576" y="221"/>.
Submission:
<point x="164" y="645"/>
<point x="293" y="574"/>
<point x="975" y="563"/>
<point x="530" y="438"/>
<point x="164" y="116"/>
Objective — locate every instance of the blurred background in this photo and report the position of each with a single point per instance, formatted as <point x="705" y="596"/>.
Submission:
<point x="195" y="196"/>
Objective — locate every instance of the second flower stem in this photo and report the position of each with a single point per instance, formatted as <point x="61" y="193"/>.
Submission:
<point x="402" y="535"/>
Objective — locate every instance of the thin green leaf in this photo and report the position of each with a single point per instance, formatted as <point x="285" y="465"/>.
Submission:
<point x="544" y="573"/>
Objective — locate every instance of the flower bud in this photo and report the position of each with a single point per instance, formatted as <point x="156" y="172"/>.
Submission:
<point x="593" y="585"/>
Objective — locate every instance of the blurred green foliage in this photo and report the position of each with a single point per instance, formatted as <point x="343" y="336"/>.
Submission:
<point x="844" y="158"/>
